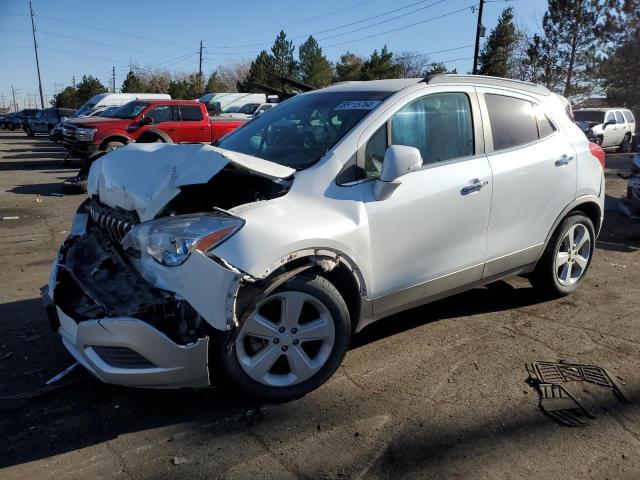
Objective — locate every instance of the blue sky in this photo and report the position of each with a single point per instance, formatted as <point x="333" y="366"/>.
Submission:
<point x="88" y="37"/>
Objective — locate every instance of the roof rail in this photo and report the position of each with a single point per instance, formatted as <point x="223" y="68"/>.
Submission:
<point x="443" y="78"/>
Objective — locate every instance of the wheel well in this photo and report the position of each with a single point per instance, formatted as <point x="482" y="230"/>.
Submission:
<point x="591" y="211"/>
<point x="154" y="135"/>
<point x="115" y="138"/>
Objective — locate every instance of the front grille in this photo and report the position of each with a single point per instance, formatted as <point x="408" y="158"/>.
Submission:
<point x="122" y="357"/>
<point x="115" y="223"/>
<point x="69" y="132"/>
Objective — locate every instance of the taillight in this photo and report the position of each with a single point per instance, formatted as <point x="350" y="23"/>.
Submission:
<point x="598" y="152"/>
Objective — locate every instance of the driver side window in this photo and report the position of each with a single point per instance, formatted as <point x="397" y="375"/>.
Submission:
<point x="610" y="117"/>
<point x="161" y="113"/>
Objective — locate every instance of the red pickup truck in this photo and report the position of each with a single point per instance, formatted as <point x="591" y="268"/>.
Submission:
<point x="145" y="121"/>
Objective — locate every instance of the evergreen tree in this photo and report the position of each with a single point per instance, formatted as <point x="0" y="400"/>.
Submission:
<point x="68" y="98"/>
<point x="349" y="67"/>
<point x="132" y="83"/>
<point x="437" y="68"/>
<point x="88" y="87"/>
<point x="577" y="29"/>
<point x="380" y="66"/>
<point x="186" y="87"/>
<point x="315" y="69"/>
<point x="498" y="53"/>
<point x="261" y="71"/>
<point x="215" y="84"/>
<point x="283" y="62"/>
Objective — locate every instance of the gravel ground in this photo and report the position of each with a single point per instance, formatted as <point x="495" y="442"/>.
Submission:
<point x="435" y="392"/>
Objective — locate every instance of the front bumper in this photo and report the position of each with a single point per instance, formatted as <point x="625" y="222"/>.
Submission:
<point x="126" y="324"/>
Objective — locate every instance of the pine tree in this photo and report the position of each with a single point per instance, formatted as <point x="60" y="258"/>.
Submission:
<point x="283" y="63"/>
<point x="67" y="98"/>
<point x="261" y="71"/>
<point x="498" y="52"/>
<point x="132" y="83"/>
<point x="437" y="68"/>
<point x="88" y="87"/>
<point x="349" y="67"/>
<point x="380" y="66"/>
<point x="577" y="29"/>
<point x="215" y="84"/>
<point x="315" y="69"/>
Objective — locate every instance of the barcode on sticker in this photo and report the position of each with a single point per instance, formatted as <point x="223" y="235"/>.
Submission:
<point x="358" y="105"/>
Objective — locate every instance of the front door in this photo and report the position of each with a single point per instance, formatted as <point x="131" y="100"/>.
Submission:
<point x="162" y="116"/>
<point x="429" y="236"/>
<point x="534" y="178"/>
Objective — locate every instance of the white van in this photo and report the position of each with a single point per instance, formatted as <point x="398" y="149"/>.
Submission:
<point x="105" y="100"/>
<point x="218" y="103"/>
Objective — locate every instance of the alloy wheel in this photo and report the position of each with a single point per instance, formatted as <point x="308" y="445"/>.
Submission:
<point x="286" y="340"/>
<point x="574" y="252"/>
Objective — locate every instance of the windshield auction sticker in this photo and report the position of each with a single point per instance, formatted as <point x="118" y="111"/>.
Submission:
<point x="358" y="105"/>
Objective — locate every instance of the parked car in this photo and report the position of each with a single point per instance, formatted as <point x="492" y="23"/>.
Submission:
<point x="44" y="121"/>
<point x="104" y="100"/>
<point x="5" y="120"/>
<point x="247" y="111"/>
<point x="218" y="103"/>
<point x="254" y="261"/>
<point x="631" y="204"/>
<point x="608" y="127"/>
<point x="15" y="121"/>
<point x="144" y="121"/>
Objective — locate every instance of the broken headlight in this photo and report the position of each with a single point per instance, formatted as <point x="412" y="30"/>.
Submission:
<point x="171" y="240"/>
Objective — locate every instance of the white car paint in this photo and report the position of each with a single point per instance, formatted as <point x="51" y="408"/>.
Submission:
<point x="425" y="240"/>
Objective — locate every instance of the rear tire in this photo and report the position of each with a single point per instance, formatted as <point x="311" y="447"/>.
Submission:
<point x="567" y="257"/>
<point x="625" y="145"/>
<point x="284" y="359"/>
<point x="29" y="132"/>
<point x="11" y="127"/>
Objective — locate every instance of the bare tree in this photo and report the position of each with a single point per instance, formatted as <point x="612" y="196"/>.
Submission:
<point x="412" y="65"/>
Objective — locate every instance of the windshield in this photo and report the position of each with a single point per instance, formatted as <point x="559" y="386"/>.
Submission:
<point x="302" y="129"/>
<point x="84" y="109"/>
<point x="234" y="109"/>
<point x="107" y="112"/>
<point x="129" y="110"/>
<point x="588" y="116"/>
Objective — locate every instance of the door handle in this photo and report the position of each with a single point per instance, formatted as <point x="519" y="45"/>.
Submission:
<point x="564" y="160"/>
<point x="202" y="128"/>
<point x="171" y="129"/>
<point x="475" y="186"/>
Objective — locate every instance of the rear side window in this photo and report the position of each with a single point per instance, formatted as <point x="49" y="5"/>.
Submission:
<point x="545" y="126"/>
<point x="628" y="115"/>
<point x="190" y="113"/>
<point x="439" y="125"/>
<point x="619" y="117"/>
<point x="513" y="121"/>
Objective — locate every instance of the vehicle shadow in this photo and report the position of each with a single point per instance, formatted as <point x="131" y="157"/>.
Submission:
<point x="40" y="155"/>
<point x="54" y="164"/>
<point x="39" y="188"/>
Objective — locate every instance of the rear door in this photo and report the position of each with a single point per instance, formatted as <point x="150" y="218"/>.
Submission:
<point x="38" y="121"/>
<point x="534" y="177"/>
<point x="194" y="125"/>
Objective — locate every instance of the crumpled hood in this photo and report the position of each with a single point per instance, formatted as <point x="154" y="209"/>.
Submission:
<point x="145" y="177"/>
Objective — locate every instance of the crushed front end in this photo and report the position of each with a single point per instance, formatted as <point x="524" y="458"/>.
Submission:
<point x="130" y="320"/>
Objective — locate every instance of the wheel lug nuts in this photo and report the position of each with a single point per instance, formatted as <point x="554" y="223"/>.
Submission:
<point x="296" y="341"/>
<point x="285" y="348"/>
<point x="276" y="340"/>
<point x="281" y="329"/>
<point x="294" y="330"/>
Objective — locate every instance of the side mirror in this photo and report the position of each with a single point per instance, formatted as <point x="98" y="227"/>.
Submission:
<point x="145" y="121"/>
<point x="609" y="122"/>
<point x="398" y="161"/>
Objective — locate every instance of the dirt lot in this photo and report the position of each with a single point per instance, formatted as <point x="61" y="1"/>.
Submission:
<point x="436" y="392"/>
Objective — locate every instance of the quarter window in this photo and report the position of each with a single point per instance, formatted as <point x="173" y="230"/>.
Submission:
<point x="439" y="125"/>
<point x="628" y="115"/>
<point x="190" y="113"/>
<point x="160" y="114"/>
<point x="513" y="121"/>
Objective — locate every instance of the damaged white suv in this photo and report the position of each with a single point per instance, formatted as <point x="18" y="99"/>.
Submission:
<point x="253" y="261"/>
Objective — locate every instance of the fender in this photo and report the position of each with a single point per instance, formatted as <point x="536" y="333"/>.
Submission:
<point x="585" y="200"/>
<point x="154" y="133"/>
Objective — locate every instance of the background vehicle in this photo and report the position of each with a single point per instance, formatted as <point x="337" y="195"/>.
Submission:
<point x="165" y="121"/>
<point x="104" y="100"/>
<point x="44" y="121"/>
<point x="14" y="121"/>
<point x="218" y="103"/>
<point x="608" y="127"/>
<point x="247" y="110"/>
<point x="254" y="261"/>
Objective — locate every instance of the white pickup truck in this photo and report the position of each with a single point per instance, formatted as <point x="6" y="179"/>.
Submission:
<point x="608" y="127"/>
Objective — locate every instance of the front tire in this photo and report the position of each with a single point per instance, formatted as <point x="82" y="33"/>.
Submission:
<point x="29" y="132"/>
<point x="291" y="343"/>
<point x="567" y="257"/>
<point x="112" y="146"/>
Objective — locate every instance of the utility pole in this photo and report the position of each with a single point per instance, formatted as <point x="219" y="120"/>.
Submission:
<point x="200" y="69"/>
<point x="35" y="47"/>
<point x="15" y="105"/>
<point x="3" y="106"/>
<point x="113" y="77"/>
<point x="73" y="81"/>
<point x="478" y="29"/>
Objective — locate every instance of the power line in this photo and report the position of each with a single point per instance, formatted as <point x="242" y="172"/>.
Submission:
<point x="400" y="28"/>
<point x="94" y="27"/>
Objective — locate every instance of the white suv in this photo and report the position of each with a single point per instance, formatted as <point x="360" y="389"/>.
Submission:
<point x="254" y="261"/>
<point x="608" y="127"/>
